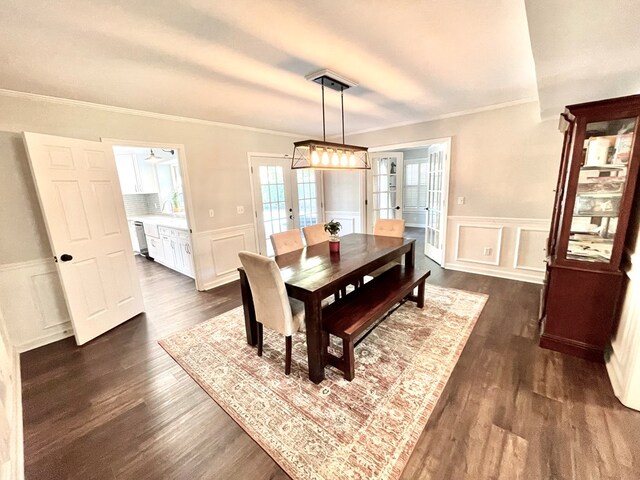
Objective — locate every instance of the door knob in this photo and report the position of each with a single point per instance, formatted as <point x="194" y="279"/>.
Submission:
<point x="426" y="208"/>
<point x="397" y="208"/>
<point x="291" y="217"/>
<point x="65" y="257"/>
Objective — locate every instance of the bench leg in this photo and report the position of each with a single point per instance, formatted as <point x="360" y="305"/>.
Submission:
<point x="287" y="356"/>
<point x="259" y="339"/>
<point x="349" y="359"/>
<point x="420" y="301"/>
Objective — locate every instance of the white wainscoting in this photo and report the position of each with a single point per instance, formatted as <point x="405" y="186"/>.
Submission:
<point x="350" y="220"/>
<point x="516" y="246"/>
<point x="623" y="363"/>
<point x="217" y="253"/>
<point x="11" y="433"/>
<point x="33" y="304"/>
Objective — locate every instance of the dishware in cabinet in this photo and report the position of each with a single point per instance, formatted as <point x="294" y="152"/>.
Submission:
<point x="594" y="199"/>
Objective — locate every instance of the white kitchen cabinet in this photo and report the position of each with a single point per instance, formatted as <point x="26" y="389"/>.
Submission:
<point x="136" y="174"/>
<point x="127" y="173"/>
<point x="169" y="251"/>
<point x="186" y="255"/>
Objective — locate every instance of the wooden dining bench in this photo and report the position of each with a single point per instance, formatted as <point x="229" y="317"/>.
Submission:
<point x="353" y="314"/>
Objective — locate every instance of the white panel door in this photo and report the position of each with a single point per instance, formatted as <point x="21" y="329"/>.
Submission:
<point x="437" y="195"/>
<point x="284" y="199"/>
<point x="384" y="187"/>
<point x="79" y="193"/>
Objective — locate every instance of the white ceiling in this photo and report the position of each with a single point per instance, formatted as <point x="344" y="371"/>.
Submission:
<point x="584" y="50"/>
<point x="244" y="61"/>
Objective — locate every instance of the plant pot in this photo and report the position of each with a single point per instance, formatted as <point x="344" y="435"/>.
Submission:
<point x="334" y="246"/>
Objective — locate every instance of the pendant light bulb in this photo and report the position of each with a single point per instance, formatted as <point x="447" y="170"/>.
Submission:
<point x="325" y="158"/>
<point x="352" y="160"/>
<point x="315" y="158"/>
<point x="343" y="159"/>
<point x="334" y="159"/>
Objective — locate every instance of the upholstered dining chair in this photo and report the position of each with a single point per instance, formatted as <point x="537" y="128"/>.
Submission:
<point x="386" y="227"/>
<point x="285" y="242"/>
<point x="274" y="309"/>
<point x="389" y="227"/>
<point x="315" y="234"/>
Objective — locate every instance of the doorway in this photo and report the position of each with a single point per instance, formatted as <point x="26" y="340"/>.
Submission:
<point x="283" y="199"/>
<point x="154" y="199"/>
<point x="411" y="181"/>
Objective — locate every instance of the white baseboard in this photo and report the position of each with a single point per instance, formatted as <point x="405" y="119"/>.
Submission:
<point x="494" y="272"/>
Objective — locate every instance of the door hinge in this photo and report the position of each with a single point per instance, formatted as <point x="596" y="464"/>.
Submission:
<point x="251" y="169"/>
<point x="256" y="214"/>
<point x="366" y="202"/>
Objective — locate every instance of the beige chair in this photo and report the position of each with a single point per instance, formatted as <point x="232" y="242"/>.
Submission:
<point x="386" y="227"/>
<point x="286" y="242"/>
<point x="315" y="234"/>
<point x="389" y="227"/>
<point x="274" y="309"/>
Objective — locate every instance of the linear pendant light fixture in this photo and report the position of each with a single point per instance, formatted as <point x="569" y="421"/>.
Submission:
<point x="323" y="155"/>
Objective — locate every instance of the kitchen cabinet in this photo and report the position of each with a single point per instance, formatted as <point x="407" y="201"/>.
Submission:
<point x="136" y="174"/>
<point x="594" y="202"/>
<point x="177" y="251"/>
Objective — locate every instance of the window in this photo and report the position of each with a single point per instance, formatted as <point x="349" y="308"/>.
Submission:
<point x="415" y="184"/>
<point x="307" y="197"/>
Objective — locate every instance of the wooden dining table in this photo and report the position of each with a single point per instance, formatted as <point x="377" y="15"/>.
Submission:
<point x="313" y="274"/>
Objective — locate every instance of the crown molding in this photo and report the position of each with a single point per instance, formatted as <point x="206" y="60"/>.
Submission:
<point x="461" y="113"/>
<point x="140" y="113"/>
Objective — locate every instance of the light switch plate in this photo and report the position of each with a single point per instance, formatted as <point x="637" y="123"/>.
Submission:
<point x="240" y="209"/>
<point x="211" y="213"/>
<point x="460" y="200"/>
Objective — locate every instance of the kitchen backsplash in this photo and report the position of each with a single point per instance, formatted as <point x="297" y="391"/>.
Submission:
<point x="141" y="204"/>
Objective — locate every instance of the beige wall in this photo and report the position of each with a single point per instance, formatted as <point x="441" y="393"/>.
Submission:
<point x="503" y="161"/>
<point x="217" y="164"/>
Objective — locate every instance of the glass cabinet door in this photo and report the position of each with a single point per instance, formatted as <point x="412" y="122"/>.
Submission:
<point x="602" y="178"/>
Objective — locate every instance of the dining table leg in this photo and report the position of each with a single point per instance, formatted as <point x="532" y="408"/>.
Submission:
<point x="410" y="256"/>
<point x="316" y="354"/>
<point x="250" y="323"/>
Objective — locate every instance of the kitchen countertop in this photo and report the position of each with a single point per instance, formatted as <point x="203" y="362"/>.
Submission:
<point x="162" y="220"/>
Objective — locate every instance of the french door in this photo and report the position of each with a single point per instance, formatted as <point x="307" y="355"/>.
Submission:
<point x="284" y="199"/>
<point x="79" y="193"/>
<point x="384" y="187"/>
<point x="436" y="206"/>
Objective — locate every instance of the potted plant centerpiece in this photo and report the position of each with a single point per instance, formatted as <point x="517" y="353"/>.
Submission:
<point x="333" y="228"/>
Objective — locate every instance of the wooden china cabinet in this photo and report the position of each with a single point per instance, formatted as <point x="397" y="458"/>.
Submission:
<point x="594" y="200"/>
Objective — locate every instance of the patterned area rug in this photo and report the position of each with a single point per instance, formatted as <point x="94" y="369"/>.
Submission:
<point x="364" y="429"/>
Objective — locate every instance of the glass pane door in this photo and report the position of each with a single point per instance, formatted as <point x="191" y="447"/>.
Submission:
<point x="601" y="184"/>
<point x="434" y="204"/>
<point x="284" y="199"/>
<point x="308" y="198"/>
<point x="385" y="187"/>
<point x="275" y="215"/>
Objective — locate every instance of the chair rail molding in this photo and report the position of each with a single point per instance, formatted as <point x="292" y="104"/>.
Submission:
<point x="33" y="304"/>
<point x="217" y="253"/>
<point x="505" y="247"/>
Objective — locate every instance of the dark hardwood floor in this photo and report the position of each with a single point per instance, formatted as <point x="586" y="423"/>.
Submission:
<point x="120" y="407"/>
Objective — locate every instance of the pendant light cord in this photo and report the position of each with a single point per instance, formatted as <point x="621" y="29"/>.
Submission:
<point x="342" y="108"/>
<point x="324" y="134"/>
